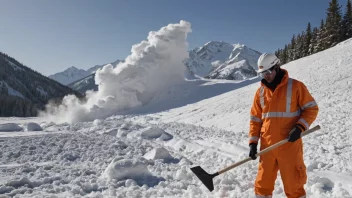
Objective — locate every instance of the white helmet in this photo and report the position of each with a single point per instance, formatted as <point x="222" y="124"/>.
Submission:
<point x="266" y="61"/>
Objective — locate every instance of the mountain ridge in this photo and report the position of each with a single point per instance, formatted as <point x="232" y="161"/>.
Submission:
<point x="25" y="91"/>
<point x="213" y="60"/>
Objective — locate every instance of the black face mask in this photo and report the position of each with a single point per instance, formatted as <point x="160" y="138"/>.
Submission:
<point x="277" y="80"/>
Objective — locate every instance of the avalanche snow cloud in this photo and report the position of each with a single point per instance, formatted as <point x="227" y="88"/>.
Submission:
<point x="153" y="66"/>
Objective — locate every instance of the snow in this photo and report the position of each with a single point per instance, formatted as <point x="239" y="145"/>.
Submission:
<point x="198" y="123"/>
<point x="8" y="127"/>
<point x="96" y="67"/>
<point x="41" y="91"/>
<point x="69" y="75"/>
<point x="158" y="153"/>
<point x="31" y="126"/>
<point x="221" y="60"/>
<point x="152" y="133"/>
<point x="120" y="169"/>
<point x="12" y="91"/>
<point x="15" y="67"/>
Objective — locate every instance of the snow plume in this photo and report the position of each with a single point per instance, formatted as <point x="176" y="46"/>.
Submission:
<point x="153" y="66"/>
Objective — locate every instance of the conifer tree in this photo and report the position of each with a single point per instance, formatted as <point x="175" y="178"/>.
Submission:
<point x="320" y="44"/>
<point x="291" y="51"/>
<point x="347" y="22"/>
<point x="307" y="40"/>
<point x="283" y="55"/>
<point x="313" y="41"/>
<point x="333" y="24"/>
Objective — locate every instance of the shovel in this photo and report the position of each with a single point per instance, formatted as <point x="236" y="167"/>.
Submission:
<point x="207" y="179"/>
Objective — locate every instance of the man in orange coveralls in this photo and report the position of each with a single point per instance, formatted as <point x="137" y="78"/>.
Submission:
<point x="282" y="108"/>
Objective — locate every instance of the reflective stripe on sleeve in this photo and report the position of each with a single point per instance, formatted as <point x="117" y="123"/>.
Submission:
<point x="263" y="196"/>
<point x="303" y="121"/>
<point x="254" y="138"/>
<point x="255" y="119"/>
<point x="309" y="104"/>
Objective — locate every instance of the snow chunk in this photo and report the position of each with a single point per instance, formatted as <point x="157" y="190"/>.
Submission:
<point x="6" y="189"/>
<point x="183" y="174"/>
<point x="130" y="182"/>
<point x="165" y="137"/>
<point x="321" y="184"/>
<point x="122" y="132"/>
<point x="31" y="126"/>
<point x="9" y="127"/>
<point x="125" y="126"/>
<point x="97" y="122"/>
<point x="120" y="169"/>
<point x="152" y="133"/>
<point x="158" y="153"/>
<point x="118" y="145"/>
<point x="112" y="132"/>
<point x="19" y="182"/>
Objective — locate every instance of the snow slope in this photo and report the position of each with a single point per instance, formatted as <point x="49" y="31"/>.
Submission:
<point x="147" y="151"/>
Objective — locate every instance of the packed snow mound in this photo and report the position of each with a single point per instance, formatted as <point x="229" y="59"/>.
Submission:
<point x="158" y="153"/>
<point x="222" y="60"/>
<point x="10" y="127"/>
<point x="152" y="133"/>
<point x="154" y="66"/>
<point x="121" y="169"/>
<point x="32" y="126"/>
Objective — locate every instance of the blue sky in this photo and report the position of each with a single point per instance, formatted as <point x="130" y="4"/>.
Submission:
<point x="50" y="36"/>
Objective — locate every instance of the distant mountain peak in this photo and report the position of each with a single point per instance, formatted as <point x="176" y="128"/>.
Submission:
<point x="73" y="74"/>
<point x="72" y="68"/>
<point x="217" y="55"/>
<point x="215" y="59"/>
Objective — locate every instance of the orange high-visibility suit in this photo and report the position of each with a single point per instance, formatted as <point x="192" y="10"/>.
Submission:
<point x="272" y="116"/>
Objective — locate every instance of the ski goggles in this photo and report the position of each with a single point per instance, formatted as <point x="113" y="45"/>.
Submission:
<point x="267" y="72"/>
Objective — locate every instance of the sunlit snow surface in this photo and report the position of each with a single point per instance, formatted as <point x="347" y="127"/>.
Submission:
<point x="147" y="151"/>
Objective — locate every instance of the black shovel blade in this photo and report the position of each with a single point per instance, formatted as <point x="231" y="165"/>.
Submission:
<point x="206" y="178"/>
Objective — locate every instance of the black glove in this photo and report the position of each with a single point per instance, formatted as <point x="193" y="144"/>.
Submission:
<point x="295" y="133"/>
<point x="253" y="150"/>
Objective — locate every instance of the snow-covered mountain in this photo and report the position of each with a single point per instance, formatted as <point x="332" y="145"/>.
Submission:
<point x="24" y="91"/>
<point x="148" y="150"/>
<point x="84" y="84"/>
<point x="221" y="60"/>
<point x="69" y="75"/>
<point x="215" y="60"/>
<point x="73" y="74"/>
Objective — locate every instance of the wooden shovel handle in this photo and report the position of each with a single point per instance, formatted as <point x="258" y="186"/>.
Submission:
<point x="267" y="150"/>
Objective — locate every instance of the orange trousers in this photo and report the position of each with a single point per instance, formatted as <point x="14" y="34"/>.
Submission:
<point x="287" y="158"/>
